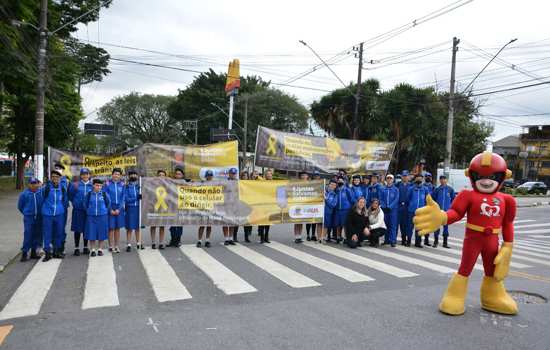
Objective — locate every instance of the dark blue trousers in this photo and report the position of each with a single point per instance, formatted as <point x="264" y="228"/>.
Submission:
<point x="32" y="235"/>
<point x="53" y="231"/>
<point x="445" y="232"/>
<point x="403" y="221"/>
<point x="391" y="218"/>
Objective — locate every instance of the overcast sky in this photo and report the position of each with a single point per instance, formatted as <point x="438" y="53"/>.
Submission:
<point x="199" y="35"/>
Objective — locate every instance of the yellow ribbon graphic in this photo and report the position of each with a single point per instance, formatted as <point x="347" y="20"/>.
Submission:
<point x="271" y="146"/>
<point x="161" y="195"/>
<point x="66" y="162"/>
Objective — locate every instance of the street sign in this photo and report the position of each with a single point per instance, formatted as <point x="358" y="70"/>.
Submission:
<point x="221" y="134"/>
<point x="99" y="129"/>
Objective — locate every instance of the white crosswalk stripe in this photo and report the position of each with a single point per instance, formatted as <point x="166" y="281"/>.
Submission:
<point x="532" y="225"/>
<point x="533" y="231"/>
<point x="277" y="270"/>
<point x="522" y="221"/>
<point x="529" y="243"/>
<point x="540" y="236"/>
<point x="512" y="264"/>
<point x="537" y="242"/>
<point x="222" y="277"/>
<point x="327" y="266"/>
<point x="430" y="255"/>
<point x="409" y="260"/>
<point x="166" y="284"/>
<point x="529" y="248"/>
<point x="516" y="250"/>
<point x="358" y="259"/>
<point x="28" y="298"/>
<point x="101" y="289"/>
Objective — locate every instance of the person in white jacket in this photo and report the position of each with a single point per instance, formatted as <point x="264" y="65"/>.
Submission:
<point x="377" y="226"/>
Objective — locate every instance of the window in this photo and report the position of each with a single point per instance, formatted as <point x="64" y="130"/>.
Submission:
<point x="545" y="164"/>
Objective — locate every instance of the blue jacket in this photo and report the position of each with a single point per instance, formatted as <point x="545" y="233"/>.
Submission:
<point x="115" y="190"/>
<point x="417" y="197"/>
<point x="404" y="193"/>
<point x="357" y="192"/>
<point x="55" y="200"/>
<point x="77" y="194"/>
<point x="30" y="202"/>
<point x="389" y="197"/>
<point x="131" y="194"/>
<point x="430" y="186"/>
<point x="97" y="203"/>
<point x="331" y="201"/>
<point x="444" y="196"/>
<point x="345" y="198"/>
<point x="374" y="192"/>
<point x="365" y="190"/>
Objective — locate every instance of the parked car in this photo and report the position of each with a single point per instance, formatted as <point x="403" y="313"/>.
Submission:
<point x="533" y="187"/>
<point x="508" y="184"/>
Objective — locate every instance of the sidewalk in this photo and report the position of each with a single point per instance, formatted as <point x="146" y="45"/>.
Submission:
<point x="11" y="232"/>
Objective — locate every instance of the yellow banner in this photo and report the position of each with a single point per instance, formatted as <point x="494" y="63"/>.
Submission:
<point x="202" y="198"/>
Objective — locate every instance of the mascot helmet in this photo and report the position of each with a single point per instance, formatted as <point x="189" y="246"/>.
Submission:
<point x="488" y="165"/>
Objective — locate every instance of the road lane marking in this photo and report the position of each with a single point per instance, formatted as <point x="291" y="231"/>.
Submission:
<point x="409" y="260"/>
<point x="529" y="276"/>
<point x="279" y="271"/>
<point x="163" y="279"/>
<point x="522" y="221"/>
<point x="101" y="289"/>
<point x="222" y="277"/>
<point x="532" y="244"/>
<point x="537" y="242"/>
<point x="539" y="236"/>
<point x="529" y="248"/>
<point x="322" y="264"/>
<point x="4" y="332"/>
<point x="516" y="250"/>
<point x="533" y="231"/>
<point x="531" y="225"/>
<point x="512" y="264"/>
<point x="427" y="254"/>
<point x="29" y="297"/>
<point x="358" y="259"/>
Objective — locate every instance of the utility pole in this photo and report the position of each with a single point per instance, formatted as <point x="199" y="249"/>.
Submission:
<point x="450" y="119"/>
<point x="39" y="122"/>
<point x="355" y="135"/>
<point x="245" y="130"/>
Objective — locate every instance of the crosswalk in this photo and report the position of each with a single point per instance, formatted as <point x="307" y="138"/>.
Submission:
<point x="310" y="265"/>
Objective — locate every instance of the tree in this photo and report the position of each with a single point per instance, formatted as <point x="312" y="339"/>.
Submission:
<point x="414" y="118"/>
<point x="142" y="118"/>
<point x="92" y="62"/>
<point x="18" y="73"/>
<point x="266" y="106"/>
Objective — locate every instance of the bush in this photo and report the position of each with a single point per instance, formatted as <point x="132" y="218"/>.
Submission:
<point x="522" y="190"/>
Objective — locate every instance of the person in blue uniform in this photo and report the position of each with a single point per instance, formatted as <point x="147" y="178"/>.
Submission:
<point x="344" y="204"/>
<point x="417" y="199"/>
<point x="331" y="200"/>
<point x="365" y="186"/>
<point x="374" y="189"/>
<point x="428" y="183"/>
<point x="77" y="193"/>
<point x="53" y="212"/>
<point x="115" y="190"/>
<point x="176" y="231"/>
<point x="444" y="196"/>
<point x="98" y="205"/>
<point x="132" y="197"/>
<point x="356" y="188"/>
<point x="29" y="204"/>
<point x="403" y="187"/>
<point x="64" y="182"/>
<point x="389" y="202"/>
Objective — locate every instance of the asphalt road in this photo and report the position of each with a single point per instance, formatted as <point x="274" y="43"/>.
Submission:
<point x="271" y="297"/>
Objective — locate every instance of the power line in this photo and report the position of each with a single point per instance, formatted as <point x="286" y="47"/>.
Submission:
<point x="511" y="89"/>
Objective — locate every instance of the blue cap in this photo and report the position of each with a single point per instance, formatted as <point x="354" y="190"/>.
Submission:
<point x="208" y="173"/>
<point x="316" y="172"/>
<point x="84" y="171"/>
<point x="34" y="180"/>
<point x="233" y="171"/>
<point x="405" y="173"/>
<point x="428" y="174"/>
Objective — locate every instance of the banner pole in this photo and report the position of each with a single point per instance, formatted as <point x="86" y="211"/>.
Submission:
<point x="256" y="147"/>
<point x="140" y="202"/>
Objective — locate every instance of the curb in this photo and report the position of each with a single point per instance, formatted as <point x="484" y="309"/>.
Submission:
<point x="10" y="261"/>
<point x="536" y="204"/>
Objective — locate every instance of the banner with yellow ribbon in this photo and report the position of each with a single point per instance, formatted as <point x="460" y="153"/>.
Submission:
<point x="148" y="158"/>
<point x="169" y="202"/>
<point x="297" y="152"/>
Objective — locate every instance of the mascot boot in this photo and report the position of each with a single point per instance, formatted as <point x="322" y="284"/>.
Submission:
<point x="495" y="298"/>
<point x="455" y="296"/>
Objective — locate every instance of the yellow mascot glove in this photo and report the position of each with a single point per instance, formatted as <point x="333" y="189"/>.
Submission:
<point x="429" y="218"/>
<point x="502" y="261"/>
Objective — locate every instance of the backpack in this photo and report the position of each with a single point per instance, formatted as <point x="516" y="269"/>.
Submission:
<point x="89" y="195"/>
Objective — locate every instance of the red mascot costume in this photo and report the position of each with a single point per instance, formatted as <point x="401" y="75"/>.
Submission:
<point x="489" y="214"/>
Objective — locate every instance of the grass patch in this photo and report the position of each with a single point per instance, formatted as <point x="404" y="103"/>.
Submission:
<point x="7" y="183"/>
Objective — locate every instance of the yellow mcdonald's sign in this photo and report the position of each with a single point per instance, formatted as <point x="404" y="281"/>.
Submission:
<point x="233" y="82"/>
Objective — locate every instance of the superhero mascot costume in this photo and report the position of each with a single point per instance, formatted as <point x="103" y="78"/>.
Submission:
<point x="489" y="214"/>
